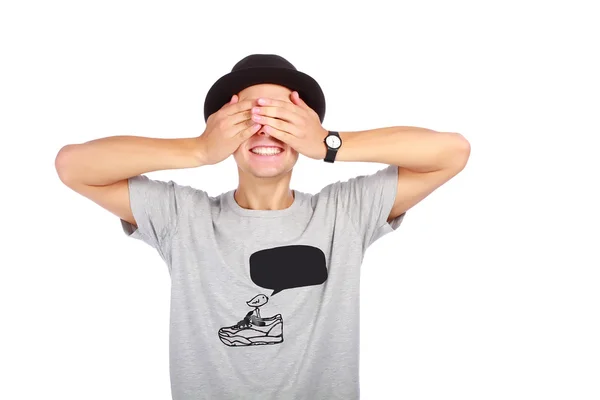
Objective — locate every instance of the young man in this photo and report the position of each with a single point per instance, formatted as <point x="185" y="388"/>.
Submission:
<point x="294" y="255"/>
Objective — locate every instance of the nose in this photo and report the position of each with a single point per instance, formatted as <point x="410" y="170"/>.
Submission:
<point x="262" y="132"/>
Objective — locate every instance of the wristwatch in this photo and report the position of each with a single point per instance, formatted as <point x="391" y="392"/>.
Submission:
<point x="333" y="142"/>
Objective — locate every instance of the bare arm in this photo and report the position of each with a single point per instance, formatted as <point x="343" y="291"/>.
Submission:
<point x="99" y="169"/>
<point x="426" y="159"/>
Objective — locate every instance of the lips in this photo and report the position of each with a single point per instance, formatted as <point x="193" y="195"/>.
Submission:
<point x="270" y="155"/>
<point x="266" y="145"/>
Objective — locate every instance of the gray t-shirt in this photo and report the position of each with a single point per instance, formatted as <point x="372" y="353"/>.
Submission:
<point x="264" y="303"/>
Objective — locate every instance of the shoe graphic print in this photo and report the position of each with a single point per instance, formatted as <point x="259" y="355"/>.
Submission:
<point x="254" y="330"/>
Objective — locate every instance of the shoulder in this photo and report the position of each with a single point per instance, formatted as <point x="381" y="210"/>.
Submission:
<point x="325" y="195"/>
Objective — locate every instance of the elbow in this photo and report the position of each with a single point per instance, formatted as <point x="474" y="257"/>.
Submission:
<point x="63" y="164"/>
<point x="459" y="151"/>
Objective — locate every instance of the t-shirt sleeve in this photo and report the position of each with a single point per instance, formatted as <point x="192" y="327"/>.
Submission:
<point x="368" y="200"/>
<point x="154" y="205"/>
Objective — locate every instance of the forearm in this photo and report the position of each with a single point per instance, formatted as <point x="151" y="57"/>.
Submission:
<point x="107" y="160"/>
<point x="417" y="149"/>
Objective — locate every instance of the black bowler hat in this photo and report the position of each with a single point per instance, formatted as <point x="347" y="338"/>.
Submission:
<point x="264" y="68"/>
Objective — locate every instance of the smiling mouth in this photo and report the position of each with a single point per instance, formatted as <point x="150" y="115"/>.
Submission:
<point x="266" y="150"/>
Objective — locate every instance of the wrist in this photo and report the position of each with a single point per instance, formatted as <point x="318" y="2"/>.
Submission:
<point x="324" y="135"/>
<point x="190" y="153"/>
<point x="198" y="151"/>
<point x="332" y="143"/>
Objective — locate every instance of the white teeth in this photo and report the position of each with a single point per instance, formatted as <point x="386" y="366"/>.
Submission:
<point x="266" y="151"/>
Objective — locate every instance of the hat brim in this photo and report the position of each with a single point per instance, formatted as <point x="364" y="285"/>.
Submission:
<point x="221" y="91"/>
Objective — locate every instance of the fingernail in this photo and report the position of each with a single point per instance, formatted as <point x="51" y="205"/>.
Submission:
<point x="262" y="101"/>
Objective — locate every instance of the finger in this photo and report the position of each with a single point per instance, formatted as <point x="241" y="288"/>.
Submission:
<point x="278" y="113"/>
<point x="247" y="132"/>
<point x="242" y="124"/>
<point x="242" y="116"/>
<point x="267" y="101"/>
<point x="239" y="106"/>
<point x="281" y="135"/>
<point x="295" y="96"/>
<point x="276" y="123"/>
<point x="233" y="100"/>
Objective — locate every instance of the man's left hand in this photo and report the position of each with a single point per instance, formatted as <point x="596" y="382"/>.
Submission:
<point x="294" y="123"/>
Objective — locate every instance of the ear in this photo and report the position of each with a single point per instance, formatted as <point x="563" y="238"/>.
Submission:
<point x="295" y="96"/>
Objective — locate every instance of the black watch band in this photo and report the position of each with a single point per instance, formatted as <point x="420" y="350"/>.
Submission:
<point x="332" y="151"/>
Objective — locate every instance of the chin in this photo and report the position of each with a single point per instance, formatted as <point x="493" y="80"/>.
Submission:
<point x="267" y="172"/>
<point x="270" y="173"/>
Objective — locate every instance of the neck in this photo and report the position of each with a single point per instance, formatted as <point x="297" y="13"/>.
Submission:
<point x="255" y="193"/>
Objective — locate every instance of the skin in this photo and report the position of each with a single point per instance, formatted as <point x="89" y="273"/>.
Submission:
<point x="426" y="159"/>
<point x="262" y="114"/>
<point x="264" y="186"/>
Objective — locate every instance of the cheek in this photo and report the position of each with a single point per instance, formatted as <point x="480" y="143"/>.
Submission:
<point x="238" y="154"/>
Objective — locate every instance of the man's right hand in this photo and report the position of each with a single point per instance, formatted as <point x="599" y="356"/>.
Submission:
<point x="226" y="129"/>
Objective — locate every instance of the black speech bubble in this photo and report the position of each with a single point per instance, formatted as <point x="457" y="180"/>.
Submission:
<point x="287" y="267"/>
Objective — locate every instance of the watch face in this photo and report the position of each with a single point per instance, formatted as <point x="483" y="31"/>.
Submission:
<point x="333" y="141"/>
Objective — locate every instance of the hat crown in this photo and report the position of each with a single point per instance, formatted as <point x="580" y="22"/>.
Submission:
<point x="258" y="69"/>
<point x="263" y="61"/>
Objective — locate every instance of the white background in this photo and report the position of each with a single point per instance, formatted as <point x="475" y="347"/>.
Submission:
<point x="489" y="290"/>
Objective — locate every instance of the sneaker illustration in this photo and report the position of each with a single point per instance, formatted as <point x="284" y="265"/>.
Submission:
<point x="254" y="330"/>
